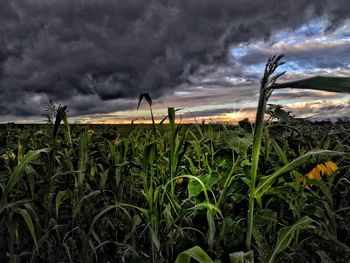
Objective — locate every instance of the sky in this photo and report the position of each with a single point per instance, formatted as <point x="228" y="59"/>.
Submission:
<point x="204" y="57"/>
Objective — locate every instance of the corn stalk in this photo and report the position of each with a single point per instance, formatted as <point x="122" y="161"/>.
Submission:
<point x="268" y="84"/>
<point x="265" y="92"/>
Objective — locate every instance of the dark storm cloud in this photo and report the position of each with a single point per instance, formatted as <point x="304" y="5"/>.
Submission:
<point x="87" y="52"/>
<point x="91" y="104"/>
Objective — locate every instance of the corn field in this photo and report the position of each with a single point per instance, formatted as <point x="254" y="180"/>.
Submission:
<point x="264" y="192"/>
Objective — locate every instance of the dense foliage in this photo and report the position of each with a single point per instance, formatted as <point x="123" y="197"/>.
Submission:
<point x="91" y="194"/>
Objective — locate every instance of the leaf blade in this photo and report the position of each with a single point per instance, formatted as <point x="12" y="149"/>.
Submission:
<point x="331" y="84"/>
<point x="196" y="253"/>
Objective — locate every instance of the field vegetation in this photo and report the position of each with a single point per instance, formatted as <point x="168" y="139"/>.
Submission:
<point x="272" y="191"/>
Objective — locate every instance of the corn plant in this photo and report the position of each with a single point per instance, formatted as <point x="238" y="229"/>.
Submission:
<point x="265" y="92"/>
<point x="268" y="83"/>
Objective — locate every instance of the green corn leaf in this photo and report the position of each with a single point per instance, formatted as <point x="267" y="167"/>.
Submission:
<point x="211" y="212"/>
<point x="85" y="197"/>
<point x="169" y="220"/>
<point x="267" y="181"/>
<point x="325" y="142"/>
<point x="196" y="253"/>
<point x="104" y="177"/>
<point x="18" y="172"/>
<point x="68" y="133"/>
<point x="286" y="235"/>
<point x="29" y="222"/>
<point x="208" y="206"/>
<point x="281" y="154"/>
<point x="241" y="257"/>
<point x="171" y="115"/>
<point x="154" y="238"/>
<point x="20" y="151"/>
<point x="62" y="195"/>
<point x="164" y="119"/>
<point x="4" y="206"/>
<point x="332" y="84"/>
<point x="247" y="181"/>
<point x="211" y="228"/>
<point x="83" y="153"/>
<point x="31" y="178"/>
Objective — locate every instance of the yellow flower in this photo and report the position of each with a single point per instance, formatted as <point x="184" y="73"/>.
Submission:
<point x="90" y="131"/>
<point x="324" y="170"/>
<point x="327" y="168"/>
<point x="314" y="174"/>
<point x="179" y="180"/>
<point x="331" y="166"/>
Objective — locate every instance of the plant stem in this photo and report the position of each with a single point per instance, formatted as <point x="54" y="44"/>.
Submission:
<point x="258" y="133"/>
<point x="153" y="123"/>
<point x="265" y="91"/>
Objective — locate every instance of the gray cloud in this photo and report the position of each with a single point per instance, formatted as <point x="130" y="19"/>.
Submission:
<point x="334" y="110"/>
<point x="320" y="57"/>
<point x="90" y="54"/>
<point x="305" y="94"/>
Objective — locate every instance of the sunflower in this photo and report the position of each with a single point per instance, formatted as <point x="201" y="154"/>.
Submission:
<point x="314" y="174"/>
<point x="331" y="166"/>
<point x="324" y="170"/>
<point x="327" y="168"/>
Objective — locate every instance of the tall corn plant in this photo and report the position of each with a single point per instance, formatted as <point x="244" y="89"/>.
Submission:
<point x="22" y="208"/>
<point x="265" y="92"/>
<point x="177" y="147"/>
<point x="119" y="160"/>
<point x="268" y="84"/>
<point x="61" y="115"/>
